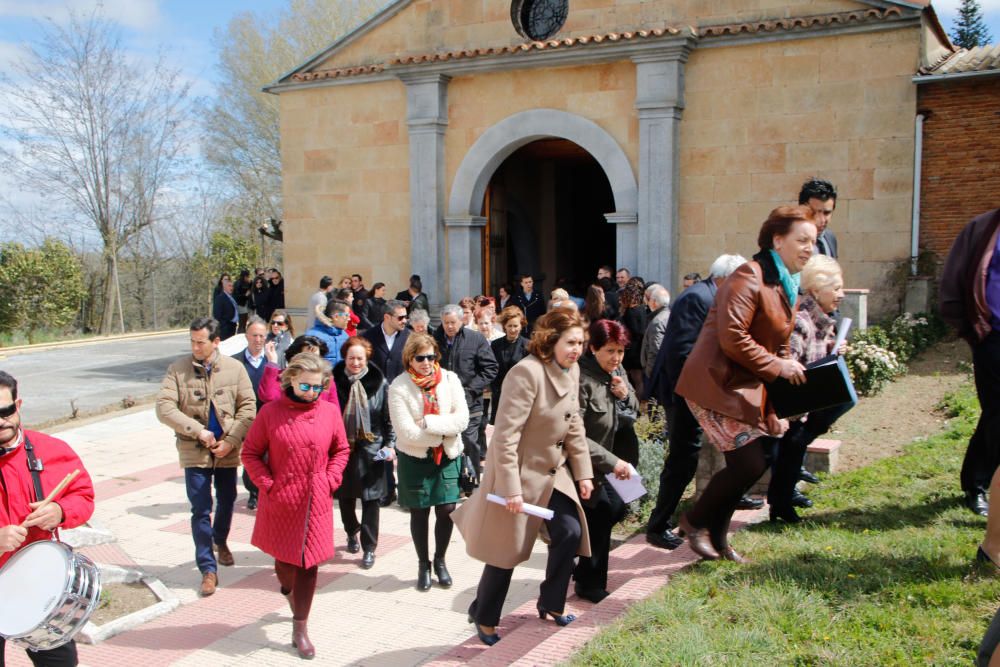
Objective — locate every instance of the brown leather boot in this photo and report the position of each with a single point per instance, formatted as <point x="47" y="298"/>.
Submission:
<point x="209" y="582"/>
<point x="225" y="555"/>
<point x="300" y="640"/>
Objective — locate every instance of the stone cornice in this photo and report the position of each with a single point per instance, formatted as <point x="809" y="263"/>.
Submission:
<point x="587" y="50"/>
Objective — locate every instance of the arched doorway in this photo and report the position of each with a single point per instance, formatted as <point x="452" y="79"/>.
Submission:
<point x="470" y="195"/>
<point x="545" y="216"/>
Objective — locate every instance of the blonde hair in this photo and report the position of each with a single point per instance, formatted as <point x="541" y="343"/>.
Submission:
<point x="819" y="272"/>
<point x="304" y="362"/>
<point x="559" y="294"/>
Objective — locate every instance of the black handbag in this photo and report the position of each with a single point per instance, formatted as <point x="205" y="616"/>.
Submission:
<point x="468" y="477"/>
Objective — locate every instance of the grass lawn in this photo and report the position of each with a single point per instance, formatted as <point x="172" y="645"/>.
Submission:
<point x="881" y="573"/>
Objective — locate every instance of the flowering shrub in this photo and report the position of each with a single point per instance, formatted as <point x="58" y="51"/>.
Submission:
<point x="872" y="366"/>
<point x="912" y="334"/>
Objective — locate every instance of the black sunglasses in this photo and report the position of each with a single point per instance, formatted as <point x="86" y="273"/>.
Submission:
<point x="425" y="357"/>
<point x="8" y="410"/>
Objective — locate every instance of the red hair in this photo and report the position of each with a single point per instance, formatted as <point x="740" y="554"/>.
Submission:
<point x="603" y="332"/>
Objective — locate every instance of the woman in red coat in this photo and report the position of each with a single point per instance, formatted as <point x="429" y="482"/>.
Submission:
<point x="295" y="453"/>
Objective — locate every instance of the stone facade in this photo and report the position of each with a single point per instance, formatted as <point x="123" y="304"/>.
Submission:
<point x="717" y="124"/>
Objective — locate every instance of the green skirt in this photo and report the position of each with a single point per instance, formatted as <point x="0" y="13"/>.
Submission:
<point x="422" y="483"/>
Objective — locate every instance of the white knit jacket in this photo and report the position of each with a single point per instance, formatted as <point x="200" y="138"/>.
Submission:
<point x="406" y="407"/>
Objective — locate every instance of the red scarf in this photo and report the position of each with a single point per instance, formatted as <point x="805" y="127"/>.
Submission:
<point x="428" y="389"/>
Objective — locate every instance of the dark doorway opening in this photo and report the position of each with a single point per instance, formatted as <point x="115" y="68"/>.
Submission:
<point x="545" y="211"/>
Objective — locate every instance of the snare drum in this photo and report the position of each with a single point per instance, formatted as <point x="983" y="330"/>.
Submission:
<point x="48" y="593"/>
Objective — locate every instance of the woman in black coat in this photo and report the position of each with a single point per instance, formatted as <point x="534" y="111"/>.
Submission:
<point x="508" y="350"/>
<point x="363" y="395"/>
<point x="632" y="313"/>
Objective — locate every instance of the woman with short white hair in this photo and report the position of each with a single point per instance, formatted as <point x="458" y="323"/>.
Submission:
<point x="815" y="332"/>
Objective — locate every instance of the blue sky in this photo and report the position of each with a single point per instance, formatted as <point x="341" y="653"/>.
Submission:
<point x="185" y="27"/>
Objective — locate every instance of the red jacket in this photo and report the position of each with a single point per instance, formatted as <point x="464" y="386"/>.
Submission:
<point x="307" y="450"/>
<point x="270" y="387"/>
<point x="17" y="490"/>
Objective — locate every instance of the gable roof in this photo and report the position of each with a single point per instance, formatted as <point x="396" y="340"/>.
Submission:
<point x="302" y="73"/>
<point x="964" y="63"/>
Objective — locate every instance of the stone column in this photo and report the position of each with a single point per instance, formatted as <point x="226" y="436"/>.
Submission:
<point x="659" y="101"/>
<point x="427" y="119"/>
<point x="626" y="238"/>
<point x="465" y="253"/>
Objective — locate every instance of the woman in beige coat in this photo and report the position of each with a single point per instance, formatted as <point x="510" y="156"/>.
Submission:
<point x="538" y="433"/>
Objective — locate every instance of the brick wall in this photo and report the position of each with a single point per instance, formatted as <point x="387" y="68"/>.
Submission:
<point x="961" y="157"/>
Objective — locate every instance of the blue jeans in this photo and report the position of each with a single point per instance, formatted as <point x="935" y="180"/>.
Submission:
<point x="199" y="491"/>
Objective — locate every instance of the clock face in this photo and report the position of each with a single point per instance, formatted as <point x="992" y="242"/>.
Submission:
<point x="539" y="19"/>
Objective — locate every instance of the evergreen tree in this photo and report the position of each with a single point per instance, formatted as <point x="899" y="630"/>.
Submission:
<point x="969" y="29"/>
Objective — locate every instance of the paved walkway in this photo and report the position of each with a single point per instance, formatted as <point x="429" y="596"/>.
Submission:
<point x="359" y="617"/>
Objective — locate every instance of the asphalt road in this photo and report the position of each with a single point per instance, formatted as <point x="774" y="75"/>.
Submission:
<point x="97" y="376"/>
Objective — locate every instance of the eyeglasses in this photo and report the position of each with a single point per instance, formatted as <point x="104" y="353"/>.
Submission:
<point x="8" y="410"/>
<point x="305" y="386"/>
<point x="280" y="323"/>
<point x="425" y="357"/>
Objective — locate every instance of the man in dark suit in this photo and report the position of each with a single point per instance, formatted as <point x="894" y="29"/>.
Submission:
<point x="821" y="197"/>
<point x="253" y="361"/>
<point x="530" y="301"/>
<point x="388" y="339"/>
<point x="686" y="319"/>
<point x="224" y="310"/>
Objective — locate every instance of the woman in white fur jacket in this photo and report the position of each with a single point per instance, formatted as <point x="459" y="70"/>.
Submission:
<point x="428" y="412"/>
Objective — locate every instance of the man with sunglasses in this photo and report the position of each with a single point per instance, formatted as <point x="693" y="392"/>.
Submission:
<point x="388" y="340"/>
<point x="208" y="400"/>
<point x="22" y="522"/>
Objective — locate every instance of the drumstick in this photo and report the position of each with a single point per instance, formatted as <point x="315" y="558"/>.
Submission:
<point x="56" y="492"/>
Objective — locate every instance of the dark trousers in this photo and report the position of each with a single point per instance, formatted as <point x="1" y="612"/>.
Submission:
<point x="564" y="541"/>
<point x="680" y="465"/>
<point x="470" y="436"/>
<point x="63" y="656"/>
<point x="204" y="531"/>
<point x="300" y="583"/>
<point x="591" y="573"/>
<point x="714" y="510"/>
<point x="249" y="485"/>
<point x="791" y="453"/>
<point x="983" y="454"/>
<point x="369" y="521"/>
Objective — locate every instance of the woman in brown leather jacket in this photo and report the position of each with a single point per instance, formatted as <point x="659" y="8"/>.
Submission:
<point x="744" y="344"/>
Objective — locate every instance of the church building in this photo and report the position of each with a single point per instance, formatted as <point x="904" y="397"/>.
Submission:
<point x="472" y="141"/>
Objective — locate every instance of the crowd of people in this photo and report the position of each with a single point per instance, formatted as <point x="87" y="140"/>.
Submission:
<point x="370" y="403"/>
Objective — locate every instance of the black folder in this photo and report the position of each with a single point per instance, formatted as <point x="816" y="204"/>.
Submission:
<point x="828" y="383"/>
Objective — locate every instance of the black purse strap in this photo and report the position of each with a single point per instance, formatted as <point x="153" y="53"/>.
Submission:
<point x="35" y="466"/>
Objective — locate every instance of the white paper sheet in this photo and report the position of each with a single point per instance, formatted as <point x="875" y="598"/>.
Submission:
<point x="628" y="489"/>
<point x="526" y="508"/>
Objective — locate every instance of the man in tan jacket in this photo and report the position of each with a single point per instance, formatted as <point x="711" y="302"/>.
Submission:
<point x="209" y="402"/>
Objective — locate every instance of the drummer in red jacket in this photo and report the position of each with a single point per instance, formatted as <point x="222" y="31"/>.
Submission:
<point x="20" y="522"/>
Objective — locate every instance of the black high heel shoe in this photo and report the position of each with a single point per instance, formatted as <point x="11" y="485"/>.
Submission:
<point x="983" y="557"/>
<point x="561" y="621"/>
<point x="786" y="514"/>
<point x="487" y="639"/>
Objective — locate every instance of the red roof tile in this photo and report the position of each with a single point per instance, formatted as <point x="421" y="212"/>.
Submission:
<point x="789" y="24"/>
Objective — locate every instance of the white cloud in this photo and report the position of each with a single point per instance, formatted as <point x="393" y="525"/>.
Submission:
<point x="137" y="14"/>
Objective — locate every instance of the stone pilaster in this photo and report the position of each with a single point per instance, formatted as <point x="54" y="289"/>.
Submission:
<point x="659" y="102"/>
<point x="465" y="252"/>
<point x="427" y="119"/>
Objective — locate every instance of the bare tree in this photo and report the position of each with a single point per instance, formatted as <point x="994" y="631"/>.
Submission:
<point x="97" y="129"/>
<point x="241" y="127"/>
